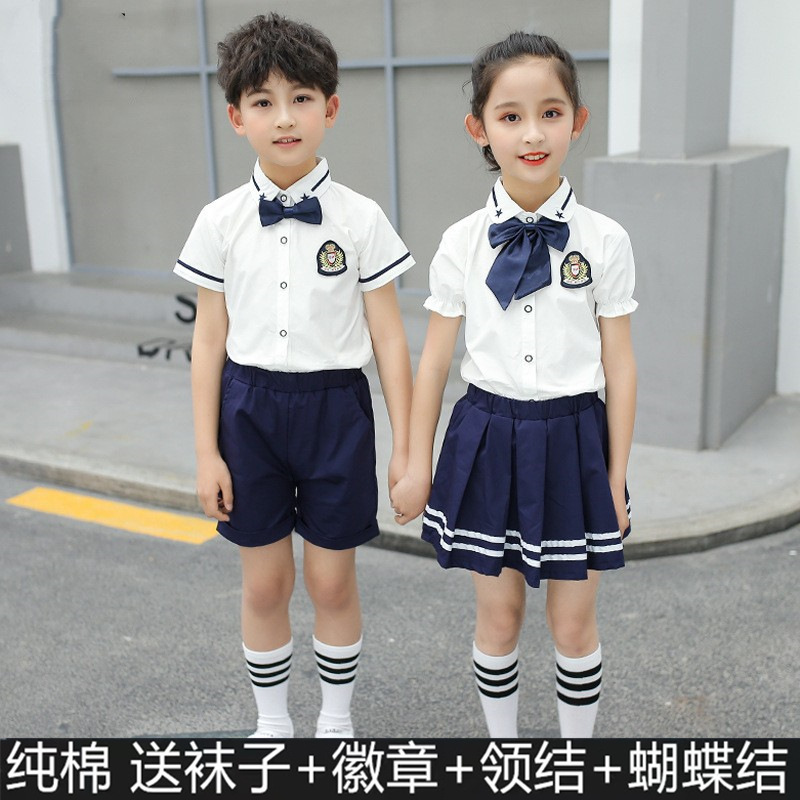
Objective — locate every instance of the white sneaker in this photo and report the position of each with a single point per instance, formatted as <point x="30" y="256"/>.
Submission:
<point x="332" y="728"/>
<point x="273" y="728"/>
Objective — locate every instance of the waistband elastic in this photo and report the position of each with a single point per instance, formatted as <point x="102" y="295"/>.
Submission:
<point x="292" y="381"/>
<point x="530" y="409"/>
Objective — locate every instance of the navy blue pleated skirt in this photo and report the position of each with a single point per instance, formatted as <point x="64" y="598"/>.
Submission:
<point x="524" y="484"/>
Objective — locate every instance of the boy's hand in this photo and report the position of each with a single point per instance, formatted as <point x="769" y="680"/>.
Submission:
<point x="214" y="488"/>
<point x="408" y="497"/>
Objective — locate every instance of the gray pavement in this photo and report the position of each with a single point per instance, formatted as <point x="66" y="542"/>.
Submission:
<point x="105" y="633"/>
<point x="125" y="429"/>
<point x="113" y="634"/>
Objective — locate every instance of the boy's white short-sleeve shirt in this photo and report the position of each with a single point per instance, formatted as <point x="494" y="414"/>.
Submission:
<point x="293" y="290"/>
<point x="546" y="344"/>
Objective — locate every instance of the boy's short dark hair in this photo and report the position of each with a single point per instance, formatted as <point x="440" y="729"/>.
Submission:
<point x="272" y="43"/>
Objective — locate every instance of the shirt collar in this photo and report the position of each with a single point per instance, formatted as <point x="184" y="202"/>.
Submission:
<point x="314" y="183"/>
<point x="560" y="206"/>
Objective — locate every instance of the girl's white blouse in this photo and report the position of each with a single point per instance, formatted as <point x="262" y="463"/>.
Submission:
<point x="546" y="344"/>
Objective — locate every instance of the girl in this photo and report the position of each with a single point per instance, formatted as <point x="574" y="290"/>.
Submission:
<point x="530" y="483"/>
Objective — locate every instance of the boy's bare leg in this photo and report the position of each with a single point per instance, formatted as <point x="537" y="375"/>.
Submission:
<point x="268" y="575"/>
<point x="267" y="583"/>
<point x="330" y="577"/>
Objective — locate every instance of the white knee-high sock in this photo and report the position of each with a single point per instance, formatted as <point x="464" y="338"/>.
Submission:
<point x="269" y="676"/>
<point x="497" y="678"/>
<point x="578" y="693"/>
<point x="337" y="668"/>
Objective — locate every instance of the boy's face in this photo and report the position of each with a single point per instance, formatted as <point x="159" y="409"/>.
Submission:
<point x="285" y="124"/>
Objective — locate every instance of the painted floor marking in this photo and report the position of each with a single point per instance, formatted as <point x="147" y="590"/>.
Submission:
<point x="112" y="514"/>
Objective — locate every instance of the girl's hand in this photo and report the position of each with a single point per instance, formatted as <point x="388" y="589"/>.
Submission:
<point x="408" y="498"/>
<point x="214" y="487"/>
<point x="620" y="506"/>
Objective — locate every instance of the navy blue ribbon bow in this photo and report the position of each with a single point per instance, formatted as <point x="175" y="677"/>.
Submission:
<point x="272" y="211"/>
<point x="523" y="265"/>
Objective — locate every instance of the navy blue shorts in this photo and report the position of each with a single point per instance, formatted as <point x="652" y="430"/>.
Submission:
<point x="524" y="484"/>
<point x="300" y="447"/>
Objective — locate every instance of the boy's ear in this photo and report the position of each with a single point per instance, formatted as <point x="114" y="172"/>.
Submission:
<point x="331" y="110"/>
<point x="235" y="117"/>
<point x="475" y="129"/>
<point x="581" y="118"/>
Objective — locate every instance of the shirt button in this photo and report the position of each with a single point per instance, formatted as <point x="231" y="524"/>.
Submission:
<point x="528" y="219"/>
<point x="284" y="240"/>
<point x="284" y="284"/>
<point x="283" y="198"/>
<point x="529" y="358"/>
<point x="283" y="333"/>
<point x="528" y="309"/>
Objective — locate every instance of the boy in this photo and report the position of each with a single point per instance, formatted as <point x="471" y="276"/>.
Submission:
<point x="295" y="294"/>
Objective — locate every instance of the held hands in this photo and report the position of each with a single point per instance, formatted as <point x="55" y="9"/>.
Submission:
<point x="214" y="487"/>
<point x="398" y="463"/>
<point x="409" y="496"/>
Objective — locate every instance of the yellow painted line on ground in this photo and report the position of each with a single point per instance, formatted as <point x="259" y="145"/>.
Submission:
<point x="165" y="524"/>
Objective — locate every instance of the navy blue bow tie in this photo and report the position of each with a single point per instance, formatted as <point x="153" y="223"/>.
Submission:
<point x="523" y="265"/>
<point x="272" y="211"/>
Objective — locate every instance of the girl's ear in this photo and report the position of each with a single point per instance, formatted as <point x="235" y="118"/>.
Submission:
<point x="581" y="118"/>
<point x="475" y="129"/>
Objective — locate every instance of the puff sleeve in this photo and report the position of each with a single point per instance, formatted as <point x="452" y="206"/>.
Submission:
<point x="613" y="293"/>
<point x="446" y="276"/>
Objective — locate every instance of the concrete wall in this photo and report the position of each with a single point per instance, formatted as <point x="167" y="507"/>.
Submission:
<point x="15" y="253"/>
<point x="135" y="161"/>
<point x="28" y="119"/>
<point x="763" y="111"/>
<point x="708" y="282"/>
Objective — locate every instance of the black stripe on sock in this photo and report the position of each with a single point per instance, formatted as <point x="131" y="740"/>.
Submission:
<point x="270" y="664"/>
<point x="500" y="682"/>
<point x="265" y="684"/>
<point x="337" y="680"/>
<point x="330" y="660"/>
<point x="585" y="674"/>
<point x="578" y="687"/>
<point x="270" y="678"/>
<point x="334" y="670"/>
<point x="578" y="701"/>
<point x="269" y="673"/>
<point x="497" y="695"/>
<point x="501" y="671"/>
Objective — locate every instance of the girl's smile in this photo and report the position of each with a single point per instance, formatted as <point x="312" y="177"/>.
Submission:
<point x="534" y="158"/>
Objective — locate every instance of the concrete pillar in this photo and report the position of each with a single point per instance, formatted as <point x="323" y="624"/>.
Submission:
<point x="706" y="223"/>
<point x="15" y="252"/>
<point x="686" y="77"/>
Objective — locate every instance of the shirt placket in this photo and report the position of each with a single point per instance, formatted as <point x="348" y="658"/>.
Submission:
<point x="283" y="277"/>
<point x="528" y="367"/>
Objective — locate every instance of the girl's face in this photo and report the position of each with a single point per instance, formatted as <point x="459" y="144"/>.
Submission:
<point x="529" y="122"/>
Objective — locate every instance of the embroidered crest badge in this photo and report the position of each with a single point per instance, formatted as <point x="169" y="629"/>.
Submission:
<point x="575" y="271"/>
<point x="330" y="259"/>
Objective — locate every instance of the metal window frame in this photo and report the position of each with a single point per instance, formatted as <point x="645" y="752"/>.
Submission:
<point x="389" y="63"/>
